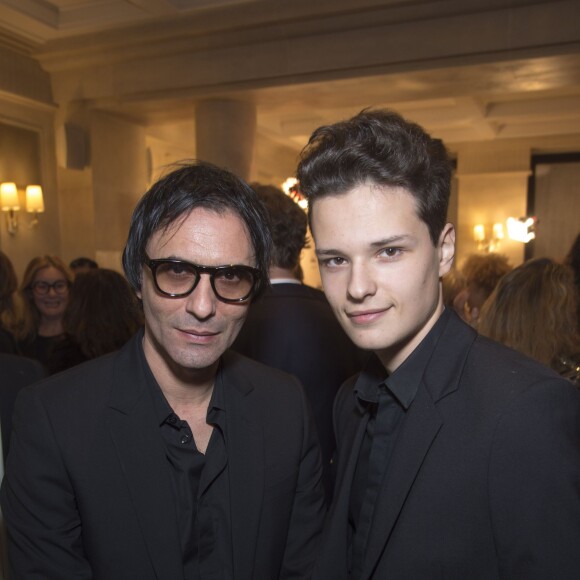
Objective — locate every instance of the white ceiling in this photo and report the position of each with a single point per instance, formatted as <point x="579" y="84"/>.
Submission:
<point x="494" y="101"/>
<point x="526" y="98"/>
<point x="42" y="20"/>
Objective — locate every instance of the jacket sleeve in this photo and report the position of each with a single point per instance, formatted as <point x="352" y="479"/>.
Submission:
<point x="38" y="500"/>
<point x="308" y="510"/>
<point x="534" y="484"/>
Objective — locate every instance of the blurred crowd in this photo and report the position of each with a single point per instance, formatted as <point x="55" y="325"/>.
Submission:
<point x="533" y="308"/>
<point x="62" y="315"/>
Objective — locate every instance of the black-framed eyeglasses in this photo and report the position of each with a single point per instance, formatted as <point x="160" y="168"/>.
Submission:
<point x="178" y="278"/>
<point x="42" y="288"/>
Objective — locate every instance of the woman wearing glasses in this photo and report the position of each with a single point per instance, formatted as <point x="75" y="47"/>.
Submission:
<point x="45" y="293"/>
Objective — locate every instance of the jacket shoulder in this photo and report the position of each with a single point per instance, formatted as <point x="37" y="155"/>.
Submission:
<point x="489" y="358"/>
<point x="255" y="370"/>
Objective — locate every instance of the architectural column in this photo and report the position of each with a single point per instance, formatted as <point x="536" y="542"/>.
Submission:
<point x="119" y="176"/>
<point x="492" y="179"/>
<point x="225" y="132"/>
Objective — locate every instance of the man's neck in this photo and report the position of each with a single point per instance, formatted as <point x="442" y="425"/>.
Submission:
<point x="277" y="273"/>
<point x="182" y="387"/>
<point x="50" y="327"/>
<point x="392" y="358"/>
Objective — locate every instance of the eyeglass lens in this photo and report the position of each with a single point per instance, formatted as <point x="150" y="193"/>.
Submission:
<point x="60" y="287"/>
<point x="229" y="283"/>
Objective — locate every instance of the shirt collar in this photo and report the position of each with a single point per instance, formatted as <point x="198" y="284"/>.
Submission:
<point x="274" y="281"/>
<point x="404" y="382"/>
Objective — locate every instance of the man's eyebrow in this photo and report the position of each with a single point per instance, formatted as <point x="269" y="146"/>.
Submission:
<point x="329" y="252"/>
<point x="378" y="244"/>
<point x="391" y="240"/>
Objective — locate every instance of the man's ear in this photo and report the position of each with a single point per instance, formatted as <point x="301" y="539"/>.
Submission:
<point x="138" y="291"/>
<point x="446" y="248"/>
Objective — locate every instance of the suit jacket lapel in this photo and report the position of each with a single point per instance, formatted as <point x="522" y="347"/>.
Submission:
<point x="420" y="428"/>
<point x="245" y="450"/>
<point x="135" y="434"/>
<point x="333" y="560"/>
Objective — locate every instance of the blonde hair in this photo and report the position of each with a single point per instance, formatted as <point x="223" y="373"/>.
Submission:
<point x="8" y="286"/>
<point x="29" y="320"/>
<point x="485" y="270"/>
<point x="533" y="310"/>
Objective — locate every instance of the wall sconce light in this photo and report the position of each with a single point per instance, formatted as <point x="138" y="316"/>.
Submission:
<point x="34" y="202"/>
<point x="521" y="229"/>
<point x="491" y="244"/>
<point x="9" y="204"/>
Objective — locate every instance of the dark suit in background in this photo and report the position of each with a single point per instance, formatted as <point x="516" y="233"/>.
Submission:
<point x="15" y="372"/>
<point x="293" y="329"/>
<point x="7" y="342"/>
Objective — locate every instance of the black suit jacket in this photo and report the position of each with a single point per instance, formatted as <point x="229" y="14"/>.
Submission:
<point x="292" y="327"/>
<point x="88" y="493"/>
<point x="15" y="372"/>
<point x="484" y="480"/>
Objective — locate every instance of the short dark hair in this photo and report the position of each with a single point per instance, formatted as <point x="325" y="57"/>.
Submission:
<point x="83" y="262"/>
<point x="192" y="185"/>
<point x="382" y="148"/>
<point x="288" y="223"/>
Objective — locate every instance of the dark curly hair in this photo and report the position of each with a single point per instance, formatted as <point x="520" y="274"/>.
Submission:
<point x="382" y="148"/>
<point x="288" y="224"/>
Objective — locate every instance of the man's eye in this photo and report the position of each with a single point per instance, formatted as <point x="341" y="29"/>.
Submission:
<point x="178" y="270"/>
<point x="230" y="276"/>
<point x="333" y="262"/>
<point x="391" y="252"/>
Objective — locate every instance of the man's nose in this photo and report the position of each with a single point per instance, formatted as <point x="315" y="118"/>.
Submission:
<point x="361" y="282"/>
<point x="202" y="301"/>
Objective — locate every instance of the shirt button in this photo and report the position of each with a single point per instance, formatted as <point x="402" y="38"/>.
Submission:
<point x="172" y="419"/>
<point x="185" y="439"/>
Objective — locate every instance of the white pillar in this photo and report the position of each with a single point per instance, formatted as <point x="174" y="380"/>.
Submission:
<point x="225" y="132"/>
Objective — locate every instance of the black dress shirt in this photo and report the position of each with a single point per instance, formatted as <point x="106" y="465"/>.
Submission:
<point x="199" y="485"/>
<point x="386" y="399"/>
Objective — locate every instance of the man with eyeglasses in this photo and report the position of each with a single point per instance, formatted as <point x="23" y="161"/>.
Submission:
<point x="173" y="458"/>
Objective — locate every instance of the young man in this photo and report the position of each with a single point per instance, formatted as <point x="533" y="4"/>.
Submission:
<point x="457" y="458"/>
<point x="172" y="458"/>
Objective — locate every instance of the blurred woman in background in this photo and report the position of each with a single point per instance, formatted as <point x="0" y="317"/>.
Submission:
<point x="481" y="272"/>
<point x="573" y="260"/>
<point x="44" y="291"/>
<point x="102" y="314"/>
<point x="533" y="309"/>
<point x="8" y="316"/>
